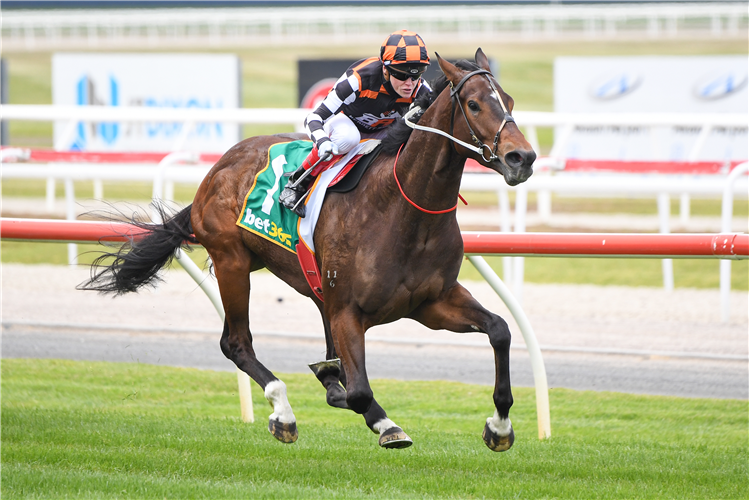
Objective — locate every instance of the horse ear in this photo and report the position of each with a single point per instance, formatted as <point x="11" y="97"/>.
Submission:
<point x="482" y="60"/>
<point x="449" y="69"/>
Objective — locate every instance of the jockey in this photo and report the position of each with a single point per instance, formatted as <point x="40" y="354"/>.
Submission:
<point x="368" y="97"/>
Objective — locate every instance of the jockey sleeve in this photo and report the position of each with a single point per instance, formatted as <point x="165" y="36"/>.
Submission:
<point x="362" y="94"/>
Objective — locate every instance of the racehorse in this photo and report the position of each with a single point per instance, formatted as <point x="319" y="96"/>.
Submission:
<point x="391" y="248"/>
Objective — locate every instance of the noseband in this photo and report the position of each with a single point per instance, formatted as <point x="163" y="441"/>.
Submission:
<point x="455" y="98"/>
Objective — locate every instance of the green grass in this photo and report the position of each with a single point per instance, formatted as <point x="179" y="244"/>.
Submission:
<point x="104" y="430"/>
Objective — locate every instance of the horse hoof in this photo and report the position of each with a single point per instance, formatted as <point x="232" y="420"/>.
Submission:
<point x="495" y="442"/>
<point x="286" y="433"/>
<point x="395" y="438"/>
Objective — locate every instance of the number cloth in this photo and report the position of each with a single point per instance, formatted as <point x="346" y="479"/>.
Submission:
<point x="261" y="213"/>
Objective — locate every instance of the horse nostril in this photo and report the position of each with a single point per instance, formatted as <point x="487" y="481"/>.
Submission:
<point x="519" y="158"/>
<point x="514" y="159"/>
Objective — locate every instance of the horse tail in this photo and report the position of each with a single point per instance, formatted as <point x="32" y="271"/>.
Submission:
<point x="137" y="262"/>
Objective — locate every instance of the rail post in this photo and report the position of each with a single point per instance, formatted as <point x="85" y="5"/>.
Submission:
<point x="725" y="227"/>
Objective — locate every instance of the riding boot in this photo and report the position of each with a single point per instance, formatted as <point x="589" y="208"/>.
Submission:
<point x="291" y="195"/>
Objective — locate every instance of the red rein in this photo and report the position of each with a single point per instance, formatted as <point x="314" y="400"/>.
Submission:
<point x="414" y="204"/>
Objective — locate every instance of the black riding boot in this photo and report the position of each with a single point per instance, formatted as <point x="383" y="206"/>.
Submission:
<point x="290" y="196"/>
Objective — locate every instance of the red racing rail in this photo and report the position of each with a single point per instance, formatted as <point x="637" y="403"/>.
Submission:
<point x="724" y="246"/>
<point x="650" y="245"/>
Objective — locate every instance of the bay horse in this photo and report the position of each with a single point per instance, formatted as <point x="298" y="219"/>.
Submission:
<point x="393" y="245"/>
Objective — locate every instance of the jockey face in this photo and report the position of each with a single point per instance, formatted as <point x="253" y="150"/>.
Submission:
<point x="404" y="88"/>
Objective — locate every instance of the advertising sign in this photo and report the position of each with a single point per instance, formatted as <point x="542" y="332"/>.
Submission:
<point x="154" y="80"/>
<point x="653" y="84"/>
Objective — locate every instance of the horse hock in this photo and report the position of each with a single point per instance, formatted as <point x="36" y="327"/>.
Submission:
<point x="498" y="433"/>
<point x="282" y="422"/>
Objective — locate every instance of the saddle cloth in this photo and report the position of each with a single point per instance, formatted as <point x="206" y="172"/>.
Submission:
<point x="261" y="213"/>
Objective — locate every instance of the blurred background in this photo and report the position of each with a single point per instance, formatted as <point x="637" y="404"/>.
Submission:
<point x="552" y="57"/>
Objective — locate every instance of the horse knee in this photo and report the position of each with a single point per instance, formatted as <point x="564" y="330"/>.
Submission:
<point x="499" y="334"/>
<point x="359" y="400"/>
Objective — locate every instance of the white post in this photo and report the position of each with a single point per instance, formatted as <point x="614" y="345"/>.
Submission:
<point x="50" y="205"/>
<point x="518" y="272"/>
<point x="726" y="214"/>
<point x="544" y="205"/>
<point x="684" y="209"/>
<point x="70" y="215"/>
<point x="204" y="282"/>
<point x="505" y="227"/>
<point x="159" y="180"/>
<point x="98" y="189"/>
<point x="664" y="213"/>
<point x="534" y="351"/>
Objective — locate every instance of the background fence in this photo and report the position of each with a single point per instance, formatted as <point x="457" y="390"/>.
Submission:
<point x="321" y="24"/>
<point x="659" y="180"/>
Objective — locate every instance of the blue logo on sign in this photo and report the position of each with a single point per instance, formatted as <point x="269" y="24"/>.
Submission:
<point x="87" y="95"/>
<point x="614" y="85"/>
<point x="711" y="87"/>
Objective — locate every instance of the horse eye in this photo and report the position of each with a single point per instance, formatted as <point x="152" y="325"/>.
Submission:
<point x="473" y="106"/>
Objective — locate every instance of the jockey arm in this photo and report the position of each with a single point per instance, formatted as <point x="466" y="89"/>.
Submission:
<point x="367" y="96"/>
<point x="343" y="92"/>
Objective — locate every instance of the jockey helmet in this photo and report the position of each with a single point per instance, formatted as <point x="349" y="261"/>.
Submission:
<point x="405" y="50"/>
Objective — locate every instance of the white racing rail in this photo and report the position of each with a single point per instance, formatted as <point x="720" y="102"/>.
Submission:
<point x="216" y="27"/>
<point x="548" y="178"/>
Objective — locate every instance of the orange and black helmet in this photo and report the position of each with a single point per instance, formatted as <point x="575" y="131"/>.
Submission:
<point x="406" y="50"/>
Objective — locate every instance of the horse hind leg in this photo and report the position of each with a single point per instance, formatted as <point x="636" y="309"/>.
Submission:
<point x="330" y="373"/>
<point x="232" y="267"/>
<point x="458" y="311"/>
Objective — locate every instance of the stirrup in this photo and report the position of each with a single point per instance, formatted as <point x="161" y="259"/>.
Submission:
<point x="292" y="199"/>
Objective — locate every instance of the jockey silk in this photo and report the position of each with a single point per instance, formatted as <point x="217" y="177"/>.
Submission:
<point x="362" y="94"/>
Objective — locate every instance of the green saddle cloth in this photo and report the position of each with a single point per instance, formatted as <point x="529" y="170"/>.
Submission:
<point x="261" y="213"/>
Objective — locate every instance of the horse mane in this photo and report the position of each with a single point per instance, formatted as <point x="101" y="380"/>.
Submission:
<point x="399" y="132"/>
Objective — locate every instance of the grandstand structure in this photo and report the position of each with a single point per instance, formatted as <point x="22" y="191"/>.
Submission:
<point x="232" y="26"/>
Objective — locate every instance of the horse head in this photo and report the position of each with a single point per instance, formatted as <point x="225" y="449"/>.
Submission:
<point x="482" y="112"/>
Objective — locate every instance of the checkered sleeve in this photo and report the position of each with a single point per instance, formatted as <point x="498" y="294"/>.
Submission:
<point x="343" y="92"/>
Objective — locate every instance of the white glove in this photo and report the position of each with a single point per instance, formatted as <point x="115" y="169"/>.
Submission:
<point x="327" y="149"/>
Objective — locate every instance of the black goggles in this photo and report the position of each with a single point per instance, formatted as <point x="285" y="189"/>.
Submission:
<point x="399" y="75"/>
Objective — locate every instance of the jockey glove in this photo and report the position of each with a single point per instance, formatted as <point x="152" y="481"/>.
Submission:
<point x="327" y="149"/>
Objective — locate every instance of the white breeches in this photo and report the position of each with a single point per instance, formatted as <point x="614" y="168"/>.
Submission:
<point x="345" y="135"/>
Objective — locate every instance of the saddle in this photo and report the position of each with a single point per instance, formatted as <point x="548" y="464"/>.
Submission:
<point x="350" y="176"/>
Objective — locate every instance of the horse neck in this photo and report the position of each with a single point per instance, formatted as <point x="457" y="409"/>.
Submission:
<point x="429" y="169"/>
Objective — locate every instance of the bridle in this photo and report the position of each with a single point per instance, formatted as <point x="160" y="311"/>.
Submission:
<point x="455" y="98"/>
<point x="480" y="147"/>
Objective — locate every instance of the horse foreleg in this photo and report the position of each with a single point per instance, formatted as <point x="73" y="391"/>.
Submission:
<point x="349" y="343"/>
<point x="232" y="270"/>
<point x="456" y="310"/>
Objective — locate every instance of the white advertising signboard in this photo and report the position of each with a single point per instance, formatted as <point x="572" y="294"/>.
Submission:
<point x="653" y="84"/>
<point x="155" y="80"/>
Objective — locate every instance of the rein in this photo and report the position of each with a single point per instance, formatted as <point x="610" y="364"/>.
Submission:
<point x="433" y="212"/>
<point x="455" y="97"/>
